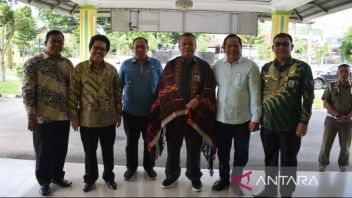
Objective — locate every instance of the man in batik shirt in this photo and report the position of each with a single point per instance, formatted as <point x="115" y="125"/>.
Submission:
<point x="288" y="94"/>
<point x="95" y="106"/>
<point x="45" y="88"/>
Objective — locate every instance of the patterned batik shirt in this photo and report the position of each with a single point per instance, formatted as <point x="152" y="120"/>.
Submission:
<point x="45" y="87"/>
<point x="95" y="95"/>
<point x="284" y="89"/>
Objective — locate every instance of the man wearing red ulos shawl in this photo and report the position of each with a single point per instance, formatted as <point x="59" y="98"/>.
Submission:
<point x="184" y="107"/>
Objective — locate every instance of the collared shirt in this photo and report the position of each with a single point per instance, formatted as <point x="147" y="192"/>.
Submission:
<point x="339" y="96"/>
<point x="139" y="83"/>
<point x="284" y="87"/>
<point x="190" y="77"/>
<point x="45" y="87"/>
<point x="239" y="91"/>
<point x="187" y="75"/>
<point x="95" y="95"/>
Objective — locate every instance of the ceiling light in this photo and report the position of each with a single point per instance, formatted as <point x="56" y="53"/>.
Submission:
<point x="184" y="4"/>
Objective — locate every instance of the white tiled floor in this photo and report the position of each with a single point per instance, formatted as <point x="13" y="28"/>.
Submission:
<point x="17" y="179"/>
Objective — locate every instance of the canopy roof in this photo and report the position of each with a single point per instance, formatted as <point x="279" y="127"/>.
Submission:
<point x="301" y="10"/>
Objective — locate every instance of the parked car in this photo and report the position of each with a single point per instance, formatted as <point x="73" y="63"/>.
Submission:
<point x="324" y="76"/>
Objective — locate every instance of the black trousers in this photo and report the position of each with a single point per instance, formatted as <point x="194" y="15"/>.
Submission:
<point x="176" y="131"/>
<point x="134" y="126"/>
<point x="288" y="144"/>
<point x="240" y="135"/>
<point x="90" y="137"/>
<point x="50" y="144"/>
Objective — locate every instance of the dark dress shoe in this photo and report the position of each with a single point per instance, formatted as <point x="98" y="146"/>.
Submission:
<point x="63" y="183"/>
<point x="197" y="185"/>
<point x="168" y="183"/>
<point x="87" y="187"/>
<point x="44" y="190"/>
<point x="111" y="184"/>
<point x="151" y="174"/>
<point x="128" y="174"/>
<point x="220" y="185"/>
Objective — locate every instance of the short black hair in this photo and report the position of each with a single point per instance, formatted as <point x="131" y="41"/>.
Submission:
<point x="343" y="65"/>
<point x="188" y="34"/>
<point x="134" y="40"/>
<point x="283" y="35"/>
<point x="99" y="37"/>
<point x="232" y="36"/>
<point x="53" y="32"/>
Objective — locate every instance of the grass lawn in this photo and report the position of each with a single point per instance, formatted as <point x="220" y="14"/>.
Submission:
<point x="10" y="87"/>
<point x="11" y="84"/>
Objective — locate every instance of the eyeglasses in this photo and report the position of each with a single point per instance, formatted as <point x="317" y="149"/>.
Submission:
<point x="283" y="44"/>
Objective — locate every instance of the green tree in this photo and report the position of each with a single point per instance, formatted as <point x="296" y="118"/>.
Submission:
<point x="167" y="38"/>
<point x="69" y="24"/>
<point x="301" y="47"/>
<point x="264" y="52"/>
<point x="122" y="41"/>
<point x="321" y="52"/>
<point x="346" y="46"/>
<point x="26" y="28"/>
<point x="170" y="38"/>
<point x="71" y="48"/>
<point x="8" y="2"/>
<point x="6" y="32"/>
<point x="9" y="57"/>
<point x="64" y="23"/>
<point x="252" y="41"/>
<point x="203" y="41"/>
<point x="105" y="23"/>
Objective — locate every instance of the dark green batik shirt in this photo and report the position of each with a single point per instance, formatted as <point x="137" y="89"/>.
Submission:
<point x="288" y="94"/>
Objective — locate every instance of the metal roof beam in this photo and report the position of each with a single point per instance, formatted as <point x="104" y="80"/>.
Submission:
<point x="57" y="5"/>
<point x="319" y="6"/>
<point x="74" y="9"/>
<point x="297" y="14"/>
